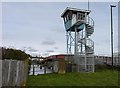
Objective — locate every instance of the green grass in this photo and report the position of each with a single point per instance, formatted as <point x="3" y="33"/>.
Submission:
<point x="99" y="78"/>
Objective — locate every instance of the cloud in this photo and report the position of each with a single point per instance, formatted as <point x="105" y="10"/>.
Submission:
<point x="54" y="53"/>
<point x="50" y="51"/>
<point x="29" y="49"/>
<point x="34" y="53"/>
<point x="46" y="54"/>
<point x="56" y="48"/>
<point x="48" y="42"/>
<point x="58" y="29"/>
<point x="32" y="49"/>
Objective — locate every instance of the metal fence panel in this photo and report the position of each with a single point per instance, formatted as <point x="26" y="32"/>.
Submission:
<point x="14" y="72"/>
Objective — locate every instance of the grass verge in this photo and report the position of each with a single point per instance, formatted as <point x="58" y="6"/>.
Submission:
<point x="105" y="77"/>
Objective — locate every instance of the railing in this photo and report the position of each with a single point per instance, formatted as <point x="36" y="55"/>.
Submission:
<point x="90" y="21"/>
<point x="89" y="42"/>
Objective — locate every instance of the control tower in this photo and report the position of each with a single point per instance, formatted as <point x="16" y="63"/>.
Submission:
<point x="79" y="27"/>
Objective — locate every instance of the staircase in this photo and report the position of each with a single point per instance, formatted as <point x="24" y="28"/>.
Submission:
<point x="90" y="31"/>
<point x="90" y="26"/>
<point x="86" y="55"/>
<point x="89" y="44"/>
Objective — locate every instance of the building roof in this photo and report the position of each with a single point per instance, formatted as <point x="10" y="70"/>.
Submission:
<point x="59" y="56"/>
<point x="74" y="10"/>
<point x="62" y="56"/>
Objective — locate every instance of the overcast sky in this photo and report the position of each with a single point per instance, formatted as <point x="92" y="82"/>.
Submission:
<point x="38" y="28"/>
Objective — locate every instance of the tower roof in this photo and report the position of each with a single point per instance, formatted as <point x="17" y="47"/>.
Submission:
<point x="74" y="10"/>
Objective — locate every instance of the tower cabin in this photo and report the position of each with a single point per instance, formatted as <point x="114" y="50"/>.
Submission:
<point x="74" y="18"/>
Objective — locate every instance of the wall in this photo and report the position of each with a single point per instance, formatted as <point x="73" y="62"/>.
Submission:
<point x="56" y="66"/>
<point x="106" y="60"/>
<point x="14" y="72"/>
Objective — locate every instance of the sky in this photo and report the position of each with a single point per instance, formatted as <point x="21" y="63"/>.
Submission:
<point x="38" y="29"/>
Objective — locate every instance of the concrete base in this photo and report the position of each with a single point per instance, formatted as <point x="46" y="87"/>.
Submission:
<point x="74" y="68"/>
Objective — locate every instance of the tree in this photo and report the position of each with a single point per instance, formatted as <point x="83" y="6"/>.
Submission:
<point x="14" y="54"/>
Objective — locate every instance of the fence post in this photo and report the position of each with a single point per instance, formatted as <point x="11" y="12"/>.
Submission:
<point x="9" y="70"/>
<point x="25" y="71"/>
<point x="17" y="72"/>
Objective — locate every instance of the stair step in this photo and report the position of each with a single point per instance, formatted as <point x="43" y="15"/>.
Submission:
<point x="89" y="27"/>
<point x="90" y="31"/>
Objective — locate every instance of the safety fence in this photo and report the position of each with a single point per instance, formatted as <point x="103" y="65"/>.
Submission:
<point x="14" y="72"/>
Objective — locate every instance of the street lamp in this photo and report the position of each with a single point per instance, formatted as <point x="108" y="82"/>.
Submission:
<point x="112" y="33"/>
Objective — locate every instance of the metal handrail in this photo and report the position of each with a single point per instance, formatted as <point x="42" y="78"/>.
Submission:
<point x="90" y="21"/>
<point x="89" y="42"/>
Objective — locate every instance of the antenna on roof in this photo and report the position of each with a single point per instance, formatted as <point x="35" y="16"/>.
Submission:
<point x="88" y="5"/>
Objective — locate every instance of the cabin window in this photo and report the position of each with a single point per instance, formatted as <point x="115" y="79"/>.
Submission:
<point x="70" y="15"/>
<point x="78" y="17"/>
<point x="81" y="16"/>
<point x="65" y="19"/>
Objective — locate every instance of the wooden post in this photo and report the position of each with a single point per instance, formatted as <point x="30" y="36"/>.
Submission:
<point x="45" y="68"/>
<point x="26" y="61"/>
<point x="33" y="69"/>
